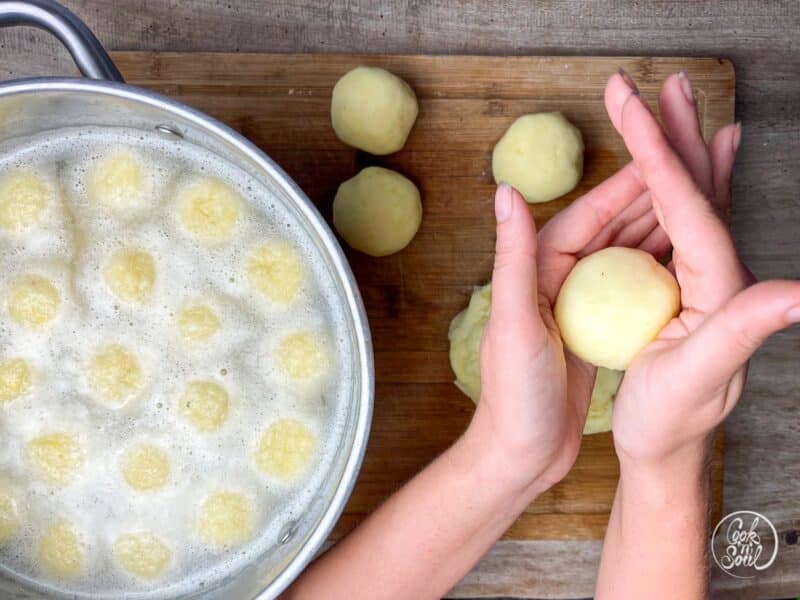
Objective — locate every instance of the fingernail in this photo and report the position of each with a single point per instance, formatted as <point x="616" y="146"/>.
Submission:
<point x="686" y="86"/>
<point x="793" y="314"/>
<point x="503" y="202"/>
<point x="628" y="80"/>
<point x="737" y="137"/>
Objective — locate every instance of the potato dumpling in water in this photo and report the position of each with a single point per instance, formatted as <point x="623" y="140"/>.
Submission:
<point x="33" y="301"/>
<point x="114" y="375"/>
<point x="23" y="198"/>
<point x="15" y="379"/>
<point x="197" y="322"/>
<point x="56" y="456"/>
<point x="209" y="209"/>
<point x="286" y="448"/>
<point x="301" y="356"/>
<point x="61" y="551"/>
<point x="142" y="554"/>
<point x="131" y="274"/>
<point x="541" y="155"/>
<point x="205" y="405"/>
<point x="9" y="516"/>
<point x="276" y="270"/>
<point x="378" y="211"/>
<point x="225" y="519"/>
<point x="145" y="467"/>
<point x="373" y="109"/>
<point x="613" y="303"/>
<point x="118" y="180"/>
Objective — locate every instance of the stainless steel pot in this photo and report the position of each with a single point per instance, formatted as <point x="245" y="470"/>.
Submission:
<point x="101" y="98"/>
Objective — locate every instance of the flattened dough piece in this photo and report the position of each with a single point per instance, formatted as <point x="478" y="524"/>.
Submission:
<point x="541" y="155"/>
<point x="24" y="195"/>
<point x="286" y="448"/>
<point x="209" y="209"/>
<point x="466" y="330"/>
<point x="61" y="551"/>
<point x="373" y="109"/>
<point x="33" y="301"/>
<point x="205" y="405"/>
<point x="118" y="180"/>
<point x="56" y="456"/>
<point x="15" y="379"/>
<point x="131" y="274"/>
<point x="301" y="356"/>
<point x="114" y="374"/>
<point x="276" y="270"/>
<point x="143" y="554"/>
<point x="613" y="303"/>
<point x="145" y="467"/>
<point x="378" y="211"/>
<point x="197" y="322"/>
<point x="225" y="519"/>
<point x="9" y="516"/>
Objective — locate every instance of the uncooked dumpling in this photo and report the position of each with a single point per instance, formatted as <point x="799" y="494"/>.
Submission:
<point x="373" y="110"/>
<point x="541" y="155"/>
<point x="613" y="303"/>
<point x="606" y="383"/>
<point x="378" y="211"/>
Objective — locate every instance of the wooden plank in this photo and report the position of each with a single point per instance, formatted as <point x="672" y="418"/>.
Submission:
<point x="281" y="102"/>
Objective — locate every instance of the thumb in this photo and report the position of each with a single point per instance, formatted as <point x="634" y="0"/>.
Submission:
<point x="514" y="294"/>
<point x="726" y="341"/>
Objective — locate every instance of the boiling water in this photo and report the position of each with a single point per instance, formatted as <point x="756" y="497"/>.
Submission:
<point x="68" y="245"/>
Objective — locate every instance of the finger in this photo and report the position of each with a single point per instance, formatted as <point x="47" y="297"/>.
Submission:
<point x="711" y="355"/>
<point x="679" y="115"/>
<point x="514" y="297"/>
<point x="629" y="214"/>
<point x="618" y="88"/>
<point x="574" y="227"/>
<point x="723" y="149"/>
<point x="656" y="243"/>
<point x="637" y="231"/>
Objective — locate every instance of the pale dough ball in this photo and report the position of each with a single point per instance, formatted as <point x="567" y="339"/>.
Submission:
<point x="225" y="519"/>
<point x="33" y="301"/>
<point x="61" y="551"/>
<point x="613" y="303"/>
<point x="541" y="155"/>
<point x="197" y="322"/>
<point x="23" y="198"/>
<point x="142" y="554"/>
<point x="209" y="209"/>
<point x="114" y="375"/>
<point x="205" y="405"/>
<point x="131" y="274"/>
<point x="117" y="180"/>
<point x="56" y="456"/>
<point x="9" y="516"/>
<point x="606" y="383"/>
<point x="286" y="448"/>
<point x="15" y="379"/>
<point x="378" y="211"/>
<point x="466" y="331"/>
<point x="373" y="110"/>
<point x="275" y="269"/>
<point x="145" y="467"/>
<point x="301" y="356"/>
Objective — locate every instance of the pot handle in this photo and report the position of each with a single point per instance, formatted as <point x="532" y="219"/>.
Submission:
<point x="87" y="52"/>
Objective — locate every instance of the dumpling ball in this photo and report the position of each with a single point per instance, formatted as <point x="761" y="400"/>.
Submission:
<point x="373" y="110"/>
<point x="226" y="519"/>
<point x="56" y="456"/>
<point x="24" y="195"/>
<point x="33" y="301"/>
<point x="61" y="551"/>
<point x="275" y="270"/>
<point x="142" y="553"/>
<point x="286" y="448"/>
<point x="209" y="209"/>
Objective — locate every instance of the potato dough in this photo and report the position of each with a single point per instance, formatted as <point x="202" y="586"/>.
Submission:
<point x="205" y="405"/>
<point x="373" y="110"/>
<point x="142" y="554"/>
<point x="145" y="467"/>
<point x="209" y="209"/>
<point x="56" y="456"/>
<point x="225" y="519"/>
<point x="378" y="211"/>
<point x="61" y="551"/>
<point x="606" y="383"/>
<point x="301" y="356"/>
<point x="33" y="301"/>
<point x="114" y="375"/>
<point x="286" y="448"/>
<point x="23" y="198"/>
<point x="131" y="274"/>
<point x="275" y="269"/>
<point x="613" y="303"/>
<point x="15" y="379"/>
<point x="197" y="322"/>
<point x="9" y="516"/>
<point x="117" y="180"/>
<point x="541" y="155"/>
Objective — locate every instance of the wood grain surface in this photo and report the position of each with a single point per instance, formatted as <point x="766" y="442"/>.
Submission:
<point x="760" y="37"/>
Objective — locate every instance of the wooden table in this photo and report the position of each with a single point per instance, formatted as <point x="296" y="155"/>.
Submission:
<point x="762" y="466"/>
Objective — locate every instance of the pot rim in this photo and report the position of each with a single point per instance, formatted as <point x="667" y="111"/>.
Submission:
<point x="365" y="369"/>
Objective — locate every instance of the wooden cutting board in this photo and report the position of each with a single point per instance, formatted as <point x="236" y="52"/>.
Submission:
<point x="281" y="102"/>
